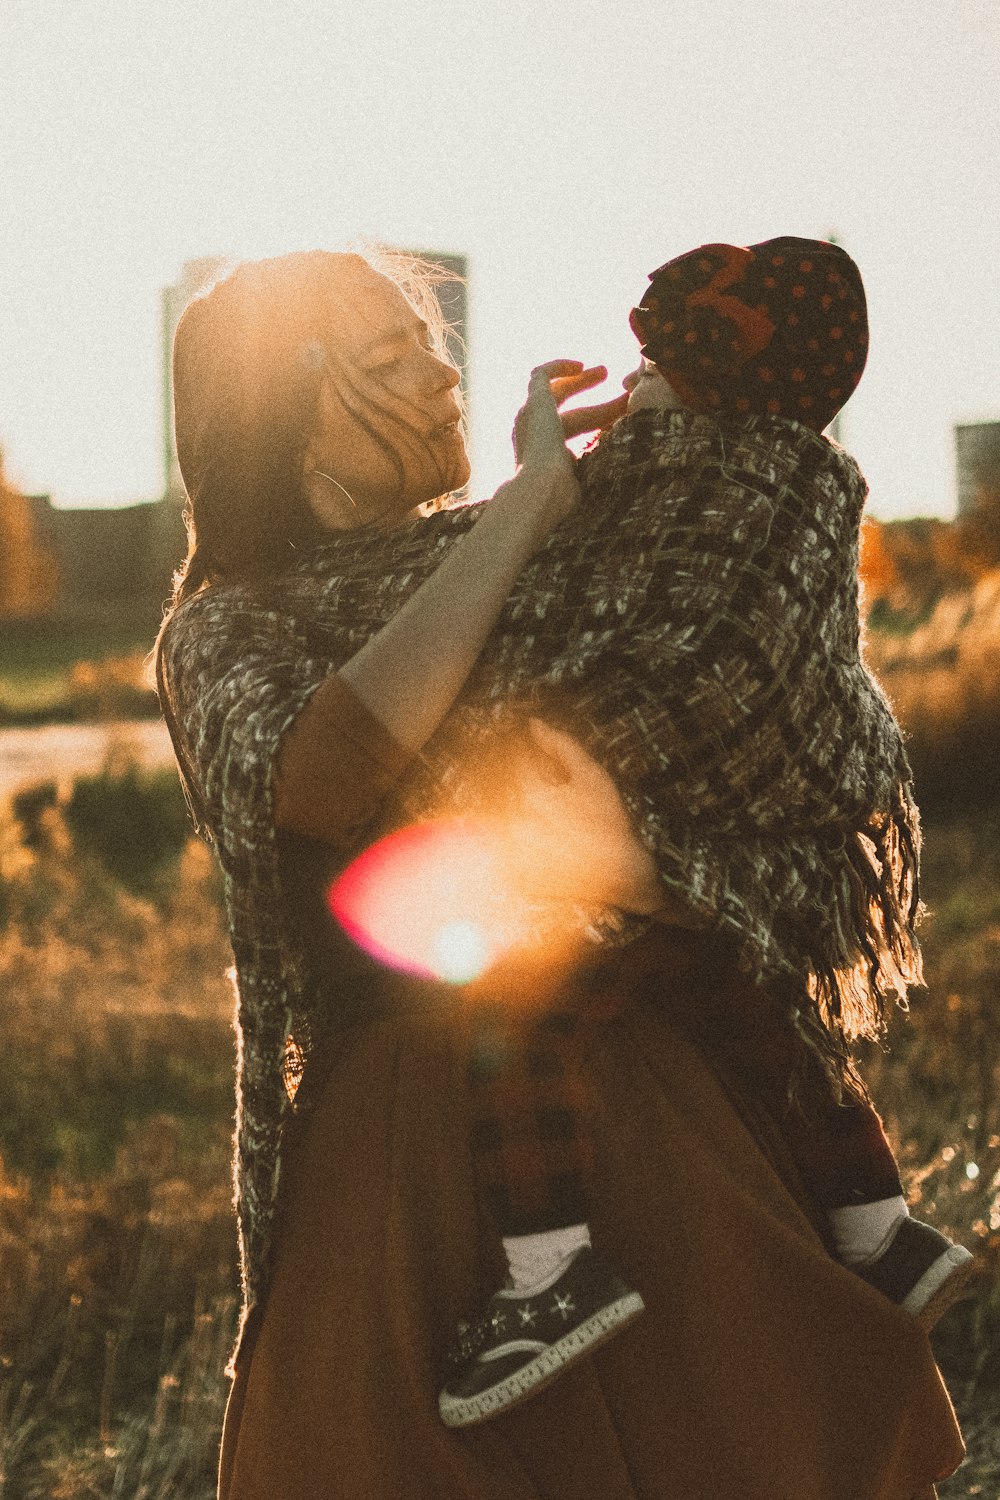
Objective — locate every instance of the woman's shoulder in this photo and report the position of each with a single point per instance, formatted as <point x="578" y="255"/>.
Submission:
<point x="351" y="565"/>
<point x="204" y="624"/>
<point x="215" y="603"/>
<point x="330" y="589"/>
<point x="368" y="549"/>
<point x="227" y="637"/>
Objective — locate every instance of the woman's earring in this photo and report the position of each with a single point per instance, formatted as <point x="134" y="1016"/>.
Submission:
<point x="323" y="475"/>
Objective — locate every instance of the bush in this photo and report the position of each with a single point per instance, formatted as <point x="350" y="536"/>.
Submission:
<point x="30" y="807"/>
<point x="134" y="821"/>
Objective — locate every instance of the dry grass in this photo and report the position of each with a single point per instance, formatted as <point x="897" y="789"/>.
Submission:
<point x="943" y="677"/>
<point x="117" y="1271"/>
<point x="939" y="1088"/>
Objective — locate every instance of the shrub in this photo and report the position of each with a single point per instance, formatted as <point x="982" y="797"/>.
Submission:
<point x="30" y="805"/>
<point x="134" y="821"/>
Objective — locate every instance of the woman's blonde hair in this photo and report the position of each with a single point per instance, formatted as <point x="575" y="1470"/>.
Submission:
<point x="250" y="356"/>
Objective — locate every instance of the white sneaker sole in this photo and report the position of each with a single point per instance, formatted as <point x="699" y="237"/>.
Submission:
<point x="939" y="1286"/>
<point x="464" y="1411"/>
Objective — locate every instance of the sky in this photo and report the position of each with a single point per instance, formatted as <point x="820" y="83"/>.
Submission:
<point x="566" y="149"/>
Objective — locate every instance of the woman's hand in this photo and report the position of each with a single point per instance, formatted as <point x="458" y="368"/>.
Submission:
<point x="538" y="436"/>
<point x="570" y="837"/>
<point x="538" y="431"/>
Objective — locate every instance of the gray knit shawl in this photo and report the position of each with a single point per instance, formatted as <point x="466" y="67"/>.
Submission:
<point x="696" y="624"/>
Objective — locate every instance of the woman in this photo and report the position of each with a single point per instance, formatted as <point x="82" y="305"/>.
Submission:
<point x="312" y="414"/>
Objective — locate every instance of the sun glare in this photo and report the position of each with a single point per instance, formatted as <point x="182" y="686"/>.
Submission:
<point x="462" y="951"/>
<point x="427" y="900"/>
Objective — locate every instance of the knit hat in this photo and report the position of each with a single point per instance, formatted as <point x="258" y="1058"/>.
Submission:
<point x="776" y="329"/>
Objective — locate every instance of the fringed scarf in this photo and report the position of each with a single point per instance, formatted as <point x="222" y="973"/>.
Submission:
<point x="697" y="627"/>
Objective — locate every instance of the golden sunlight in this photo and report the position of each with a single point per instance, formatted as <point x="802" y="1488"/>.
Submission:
<point x="428" y="900"/>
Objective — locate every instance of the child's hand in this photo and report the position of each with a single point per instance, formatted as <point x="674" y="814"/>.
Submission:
<point x="593" y="418"/>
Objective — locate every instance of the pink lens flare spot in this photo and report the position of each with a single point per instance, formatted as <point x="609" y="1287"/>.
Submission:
<point x="423" y="900"/>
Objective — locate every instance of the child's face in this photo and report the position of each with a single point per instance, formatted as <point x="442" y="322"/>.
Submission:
<point x="647" y="387"/>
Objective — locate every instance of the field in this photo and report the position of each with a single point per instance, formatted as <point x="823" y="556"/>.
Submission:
<point x="50" y="674"/>
<point x="117" y="1270"/>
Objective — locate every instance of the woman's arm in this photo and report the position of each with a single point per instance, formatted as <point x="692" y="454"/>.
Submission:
<point x="406" y="678"/>
<point x="410" y="673"/>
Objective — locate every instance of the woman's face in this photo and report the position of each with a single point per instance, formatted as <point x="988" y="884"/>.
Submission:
<point x="390" y="398"/>
<point x="647" y="387"/>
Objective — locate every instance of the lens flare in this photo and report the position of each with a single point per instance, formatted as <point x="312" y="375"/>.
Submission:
<point x="462" y="952"/>
<point x="427" y="900"/>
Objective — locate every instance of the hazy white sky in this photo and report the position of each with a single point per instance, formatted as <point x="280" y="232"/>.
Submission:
<point x="567" y="149"/>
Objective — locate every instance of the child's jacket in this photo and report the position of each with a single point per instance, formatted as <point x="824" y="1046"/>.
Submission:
<point x="697" y="626"/>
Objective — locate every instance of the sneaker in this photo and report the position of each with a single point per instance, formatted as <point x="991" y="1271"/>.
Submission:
<point x="526" y="1338"/>
<point x="921" y="1270"/>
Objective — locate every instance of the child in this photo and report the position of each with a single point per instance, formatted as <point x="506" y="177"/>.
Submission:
<point x="760" y="765"/>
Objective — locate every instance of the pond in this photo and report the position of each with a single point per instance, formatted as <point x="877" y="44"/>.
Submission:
<point x="60" y="751"/>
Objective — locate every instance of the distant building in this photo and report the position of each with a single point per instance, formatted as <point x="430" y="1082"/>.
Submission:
<point x="977" y="458"/>
<point x="112" y="562"/>
<point x="194" y="278"/>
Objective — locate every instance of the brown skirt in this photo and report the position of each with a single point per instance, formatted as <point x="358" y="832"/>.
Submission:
<point x="761" y="1369"/>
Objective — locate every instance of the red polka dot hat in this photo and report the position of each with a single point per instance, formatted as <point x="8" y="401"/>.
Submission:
<point x="778" y="329"/>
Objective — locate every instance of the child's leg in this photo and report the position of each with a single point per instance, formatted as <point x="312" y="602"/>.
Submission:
<point x="846" y="1160"/>
<point x="835" y="1137"/>
<point x="531" y="1106"/>
<point x="844" y="1156"/>
<point x="838" y="1144"/>
<point x="532" y="1154"/>
<point x="531" y="1143"/>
